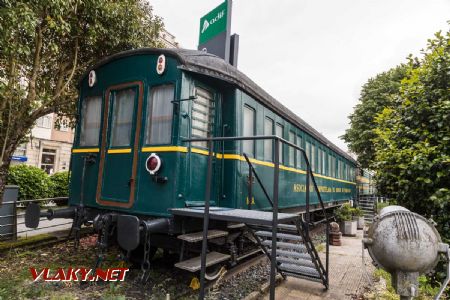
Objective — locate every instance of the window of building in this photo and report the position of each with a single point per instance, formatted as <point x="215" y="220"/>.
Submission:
<point x="48" y="160"/>
<point x="159" y="115"/>
<point x="90" y="121"/>
<point x="21" y="150"/>
<point x="299" y="153"/>
<point x="268" y="144"/>
<point x="202" y="116"/>
<point x="249" y="129"/>
<point x="291" y="149"/>
<point x="122" y="117"/>
<point x="44" y="122"/>
<point x="279" y="133"/>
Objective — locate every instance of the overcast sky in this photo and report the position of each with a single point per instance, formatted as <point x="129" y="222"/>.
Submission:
<point x="314" y="55"/>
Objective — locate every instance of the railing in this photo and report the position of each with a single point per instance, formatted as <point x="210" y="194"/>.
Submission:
<point x="18" y="218"/>
<point x="274" y="202"/>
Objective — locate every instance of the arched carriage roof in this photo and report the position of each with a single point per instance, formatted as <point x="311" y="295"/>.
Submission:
<point x="211" y="65"/>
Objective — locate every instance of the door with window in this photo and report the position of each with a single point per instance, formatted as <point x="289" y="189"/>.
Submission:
<point x="119" y="150"/>
<point x="203" y="125"/>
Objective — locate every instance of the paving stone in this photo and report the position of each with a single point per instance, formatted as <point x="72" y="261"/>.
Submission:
<point x="347" y="277"/>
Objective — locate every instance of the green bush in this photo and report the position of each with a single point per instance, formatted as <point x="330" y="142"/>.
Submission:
<point x="344" y="213"/>
<point x="357" y="212"/>
<point x="60" y="183"/>
<point x="33" y="182"/>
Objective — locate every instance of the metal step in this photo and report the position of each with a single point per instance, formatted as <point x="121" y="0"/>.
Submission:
<point x="284" y="236"/>
<point x="198" y="236"/>
<point x="287" y="227"/>
<point x="234" y="225"/>
<point x="310" y="278"/>
<point x="300" y="262"/>
<point x="194" y="264"/>
<point x="299" y="247"/>
<point x="299" y="270"/>
<point x="292" y="254"/>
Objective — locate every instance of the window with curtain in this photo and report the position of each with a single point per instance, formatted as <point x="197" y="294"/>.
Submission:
<point x="299" y="153"/>
<point x="248" y="129"/>
<point x="330" y="168"/>
<point x="268" y="144"/>
<point x="90" y="121"/>
<point x="159" y="115"/>
<point x="202" y="116"/>
<point x="308" y="151"/>
<point x="313" y="157"/>
<point x="279" y="133"/>
<point x="122" y="118"/>
<point x="291" y="149"/>
<point x="319" y="160"/>
<point x="324" y="162"/>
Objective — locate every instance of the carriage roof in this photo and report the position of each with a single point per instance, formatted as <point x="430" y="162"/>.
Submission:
<point x="211" y="65"/>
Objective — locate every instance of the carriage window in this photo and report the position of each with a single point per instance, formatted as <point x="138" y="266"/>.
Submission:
<point x="90" y="121"/>
<point x="122" y="119"/>
<point x="159" y="115"/>
<point x="313" y="157"/>
<point x="279" y="132"/>
<point x="248" y="147"/>
<point x="299" y="154"/>
<point x="291" y="149"/>
<point x="319" y="160"/>
<point x="324" y="162"/>
<point x="330" y="162"/>
<point x="308" y="151"/>
<point x="268" y="144"/>
<point x="202" y="116"/>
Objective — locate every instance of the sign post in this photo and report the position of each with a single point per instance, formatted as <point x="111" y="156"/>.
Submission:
<point x="214" y="36"/>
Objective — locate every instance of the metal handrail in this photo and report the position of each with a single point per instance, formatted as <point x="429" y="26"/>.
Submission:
<point x="309" y="172"/>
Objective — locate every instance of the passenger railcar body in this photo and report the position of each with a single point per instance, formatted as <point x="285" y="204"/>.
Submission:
<point x="131" y="112"/>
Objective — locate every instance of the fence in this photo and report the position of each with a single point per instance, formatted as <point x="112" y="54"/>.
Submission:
<point x="12" y="220"/>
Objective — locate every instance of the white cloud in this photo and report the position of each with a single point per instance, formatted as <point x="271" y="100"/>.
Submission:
<point x="314" y="55"/>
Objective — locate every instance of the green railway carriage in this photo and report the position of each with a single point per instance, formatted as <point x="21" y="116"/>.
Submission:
<point x="131" y="163"/>
<point x="131" y="112"/>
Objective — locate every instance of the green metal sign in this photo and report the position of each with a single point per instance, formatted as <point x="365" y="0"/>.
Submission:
<point x="213" y="23"/>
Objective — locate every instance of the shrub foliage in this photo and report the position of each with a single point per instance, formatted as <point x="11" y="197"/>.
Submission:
<point x="33" y="182"/>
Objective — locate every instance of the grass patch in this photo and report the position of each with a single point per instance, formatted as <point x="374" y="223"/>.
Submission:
<point x="21" y="241"/>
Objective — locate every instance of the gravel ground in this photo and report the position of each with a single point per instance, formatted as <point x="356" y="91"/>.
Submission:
<point x="16" y="280"/>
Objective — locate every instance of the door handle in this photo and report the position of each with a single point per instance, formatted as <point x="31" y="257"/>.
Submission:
<point x="130" y="182"/>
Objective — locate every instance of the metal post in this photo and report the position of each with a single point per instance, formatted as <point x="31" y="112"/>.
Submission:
<point x="273" y="259"/>
<point x="249" y="185"/>
<point x="206" y="222"/>
<point x="308" y="174"/>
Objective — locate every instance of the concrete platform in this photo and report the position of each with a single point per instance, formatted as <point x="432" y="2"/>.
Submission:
<point x="348" y="277"/>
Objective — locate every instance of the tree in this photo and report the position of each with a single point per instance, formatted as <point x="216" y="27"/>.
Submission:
<point x="46" y="45"/>
<point x="376" y="94"/>
<point x="412" y="142"/>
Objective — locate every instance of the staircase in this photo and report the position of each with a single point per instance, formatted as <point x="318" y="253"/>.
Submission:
<point x="368" y="206"/>
<point x="296" y="255"/>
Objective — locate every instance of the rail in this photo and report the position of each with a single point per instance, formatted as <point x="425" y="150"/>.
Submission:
<point x="17" y="218"/>
<point x="277" y="140"/>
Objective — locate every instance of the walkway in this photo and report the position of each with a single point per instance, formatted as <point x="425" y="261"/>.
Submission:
<point x="348" y="277"/>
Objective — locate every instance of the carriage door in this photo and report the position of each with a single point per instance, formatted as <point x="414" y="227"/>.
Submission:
<point x="120" y="139"/>
<point x="204" y="124"/>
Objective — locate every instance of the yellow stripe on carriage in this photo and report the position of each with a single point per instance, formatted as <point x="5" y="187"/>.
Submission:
<point x="165" y="149"/>
<point x="117" y="151"/>
<point x="86" y="150"/>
